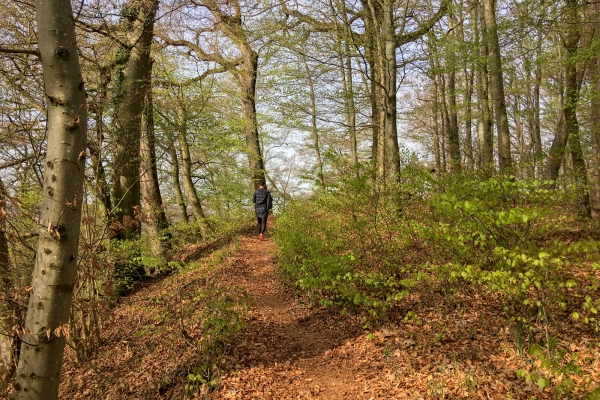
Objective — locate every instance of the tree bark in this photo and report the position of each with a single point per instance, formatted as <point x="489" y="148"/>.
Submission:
<point x="392" y="150"/>
<point x="468" y="148"/>
<point x="186" y="165"/>
<point x="345" y="60"/>
<point x="6" y="341"/>
<point x="156" y="220"/>
<point x="484" y="122"/>
<point x="247" y="78"/>
<point x="497" y="81"/>
<point x="136" y="78"/>
<point x="313" y="120"/>
<point x="94" y="146"/>
<point x="175" y="182"/>
<point x="38" y="372"/>
<point x="595" y="128"/>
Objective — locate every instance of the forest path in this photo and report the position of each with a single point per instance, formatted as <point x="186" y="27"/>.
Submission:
<point x="451" y="347"/>
<point x="287" y="349"/>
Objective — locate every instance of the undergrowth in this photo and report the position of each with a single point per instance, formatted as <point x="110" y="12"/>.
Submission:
<point x="365" y="248"/>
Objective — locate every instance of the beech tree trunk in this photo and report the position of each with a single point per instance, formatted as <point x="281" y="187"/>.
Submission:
<point x="484" y="122"/>
<point x="468" y="148"/>
<point x="497" y="83"/>
<point x="186" y="165"/>
<point x="156" y="220"/>
<point x="247" y="79"/>
<point x="345" y="61"/>
<point x="38" y="372"/>
<point x="6" y="341"/>
<point x="451" y="108"/>
<point x="595" y="129"/>
<point x="94" y="147"/>
<point x="392" y="150"/>
<point x="136" y="78"/>
<point x="175" y="182"/>
<point x="313" y="120"/>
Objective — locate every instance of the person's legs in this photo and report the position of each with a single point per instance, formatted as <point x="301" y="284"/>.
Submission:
<point x="263" y="225"/>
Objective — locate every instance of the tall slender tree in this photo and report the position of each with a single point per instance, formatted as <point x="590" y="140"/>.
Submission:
<point x="38" y="372"/>
<point x="497" y="86"/>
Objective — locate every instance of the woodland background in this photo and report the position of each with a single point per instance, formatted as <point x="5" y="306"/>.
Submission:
<point x="411" y="146"/>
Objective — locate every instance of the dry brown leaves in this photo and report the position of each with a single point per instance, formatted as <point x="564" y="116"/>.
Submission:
<point x="461" y="348"/>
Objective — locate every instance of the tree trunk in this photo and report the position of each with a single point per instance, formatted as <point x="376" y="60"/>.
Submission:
<point x="468" y="120"/>
<point x="247" y="79"/>
<point x="38" y="372"/>
<point x="568" y="129"/>
<point x="136" y="78"/>
<point x="186" y="165"/>
<point x="436" y="127"/>
<point x="94" y="146"/>
<point x="313" y="118"/>
<point x="345" y="60"/>
<point x="595" y="129"/>
<point x="6" y="287"/>
<point x="175" y="182"/>
<point x="570" y="109"/>
<point x="497" y="81"/>
<point x="156" y="219"/>
<point x="391" y="130"/>
<point x="451" y="109"/>
<point x="533" y="100"/>
<point x="484" y="122"/>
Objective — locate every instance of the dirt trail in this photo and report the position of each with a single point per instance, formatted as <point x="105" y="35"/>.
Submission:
<point x="451" y="347"/>
<point x="288" y="349"/>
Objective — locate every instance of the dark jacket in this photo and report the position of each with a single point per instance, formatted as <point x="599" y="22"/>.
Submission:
<point x="263" y="202"/>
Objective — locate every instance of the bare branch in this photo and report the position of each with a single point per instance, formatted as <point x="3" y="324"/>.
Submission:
<point x="9" y="50"/>
<point x="424" y="27"/>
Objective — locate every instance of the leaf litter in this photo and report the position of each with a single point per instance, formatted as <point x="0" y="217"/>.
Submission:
<point x="460" y="348"/>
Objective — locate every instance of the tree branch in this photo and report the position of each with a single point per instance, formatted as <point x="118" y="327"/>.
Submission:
<point x="424" y="27"/>
<point x="34" y="52"/>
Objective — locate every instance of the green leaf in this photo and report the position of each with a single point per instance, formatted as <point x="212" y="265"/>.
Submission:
<point x="543" y="382"/>
<point x="575" y="315"/>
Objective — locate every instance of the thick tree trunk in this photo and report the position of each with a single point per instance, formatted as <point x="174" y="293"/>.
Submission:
<point x="568" y="125"/>
<point x="38" y="372"/>
<point x="570" y="109"/>
<point x="247" y="79"/>
<point x="594" y="14"/>
<point x="136" y="78"/>
<point x="186" y="165"/>
<point x="497" y="81"/>
<point x="156" y="219"/>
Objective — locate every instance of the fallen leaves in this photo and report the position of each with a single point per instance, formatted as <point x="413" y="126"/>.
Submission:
<point x="458" y="348"/>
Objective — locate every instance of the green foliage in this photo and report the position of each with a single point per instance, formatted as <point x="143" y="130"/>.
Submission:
<point x="505" y="234"/>
<point x="366" y="247"/>
<point x="218" y="314"/>
<point x="327" y="250"/>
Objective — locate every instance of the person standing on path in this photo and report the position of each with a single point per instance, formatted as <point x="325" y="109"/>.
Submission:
<point x="263" y="202"/>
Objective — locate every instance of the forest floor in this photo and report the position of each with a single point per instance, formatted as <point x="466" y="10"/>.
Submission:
<point x="288" y="349"/>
